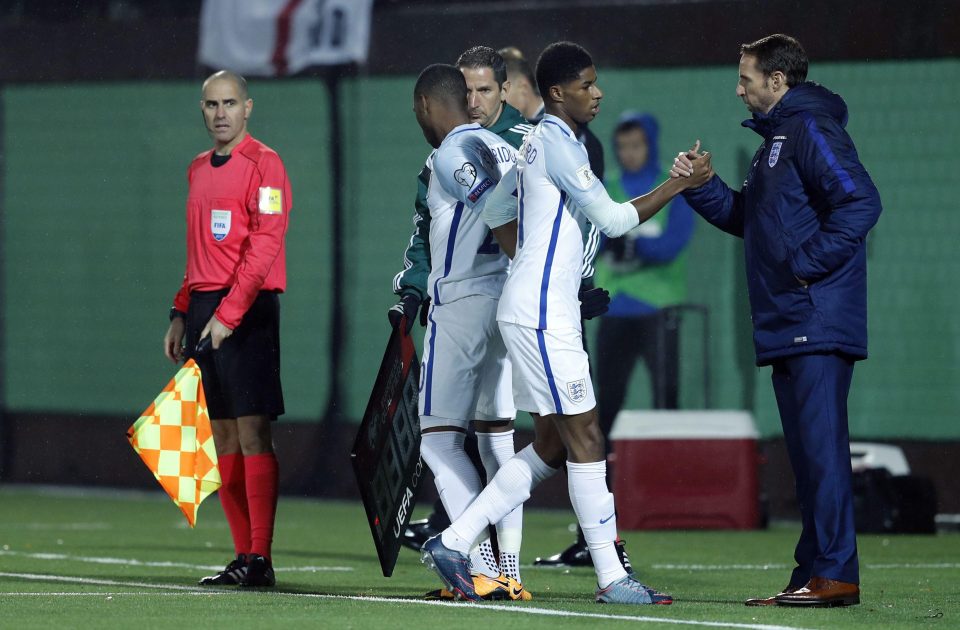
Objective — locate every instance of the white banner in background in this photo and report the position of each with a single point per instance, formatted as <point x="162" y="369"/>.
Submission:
<point x="282" y="37"/>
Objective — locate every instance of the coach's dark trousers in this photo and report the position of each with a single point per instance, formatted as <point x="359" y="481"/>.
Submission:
<point x="811" y="394"/>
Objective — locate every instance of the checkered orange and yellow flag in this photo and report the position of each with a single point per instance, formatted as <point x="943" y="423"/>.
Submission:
<point x="175" y="441"/>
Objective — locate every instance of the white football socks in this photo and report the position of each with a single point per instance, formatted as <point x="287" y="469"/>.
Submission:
<point x="455" y="476"/>
<point x="458" y="484"/>
<point x="510" y="565"/>
<point x="510" y="487"/>
<point x="496" y="449"/>
<point x="483" y="561"/>
<point x="593" y="505"/>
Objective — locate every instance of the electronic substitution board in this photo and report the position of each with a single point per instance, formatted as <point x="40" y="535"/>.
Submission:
<point x="386" y="451"/>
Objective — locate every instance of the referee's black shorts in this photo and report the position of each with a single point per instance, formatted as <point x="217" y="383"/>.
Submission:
<point x="242" y="377"/>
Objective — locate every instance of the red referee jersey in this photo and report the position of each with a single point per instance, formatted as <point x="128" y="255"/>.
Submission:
<point x="237" y="217"/>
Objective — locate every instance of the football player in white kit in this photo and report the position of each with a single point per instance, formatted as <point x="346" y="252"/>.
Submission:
<point x="492" y="442"/>
<point x="539" y="319"/>
<point x="465" y="374"/>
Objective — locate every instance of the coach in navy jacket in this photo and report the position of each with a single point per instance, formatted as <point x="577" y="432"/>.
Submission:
<point x="803" y="213"/>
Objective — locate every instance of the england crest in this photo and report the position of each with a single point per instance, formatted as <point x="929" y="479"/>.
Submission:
<point x="774" y="154"/>
<point x="577" y="390"/>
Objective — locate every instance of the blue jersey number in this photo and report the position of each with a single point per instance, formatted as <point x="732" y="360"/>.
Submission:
<point x="489" y="246"/>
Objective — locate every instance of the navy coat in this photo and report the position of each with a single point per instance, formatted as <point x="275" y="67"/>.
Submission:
<point x="803" y="213"/>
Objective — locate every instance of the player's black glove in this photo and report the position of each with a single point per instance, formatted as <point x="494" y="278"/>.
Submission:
<point x="593" y="302"/>
<point x="424" y="311"/>
<point x="406" y="307"/>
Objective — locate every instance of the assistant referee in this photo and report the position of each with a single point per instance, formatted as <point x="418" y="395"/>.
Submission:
<point x="226" y="316"/>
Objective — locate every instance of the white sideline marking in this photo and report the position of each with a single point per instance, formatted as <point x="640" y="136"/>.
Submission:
<point x="79" y="580"/>
<point x="309" y="569"/>
<point x="151" y="563"/>
<point x="72" y="527"/>
<point x="766" y="567"/>
<point x="720" y="567"/>
<point x="110" y="594"/>
<point x="916" y="565"/>
<point x="546" y="612"/>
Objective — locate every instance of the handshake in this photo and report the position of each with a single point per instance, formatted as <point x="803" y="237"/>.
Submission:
<point x="694" y="165"/>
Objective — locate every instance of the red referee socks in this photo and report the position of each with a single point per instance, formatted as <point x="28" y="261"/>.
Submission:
<point x="262" y="473"/>
<point x="233" y="498"/>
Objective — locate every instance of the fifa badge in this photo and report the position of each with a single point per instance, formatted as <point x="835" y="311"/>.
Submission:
<point x="220" y="224"/>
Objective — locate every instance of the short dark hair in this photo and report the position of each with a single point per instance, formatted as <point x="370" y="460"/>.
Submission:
<point x="484" y="57"/>
<point x="519" y="66"/>
<point x="628" y="125"/>
<point x="779" y="52"/>
<point x="560" y="62"/>
<point x="443" y="82"/>
<point x="226" y="75"/>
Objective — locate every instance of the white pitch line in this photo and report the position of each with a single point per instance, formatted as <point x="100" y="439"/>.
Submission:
<point x="767" y="567"/>
<point x="112" y="594"/>
<point x="71" y="527"/>
<point x="151" y="563"/>
<point x="547" y="612"/>
<point x="719" y="567"/>
<point x="310" y="569"/>
<point x="79" y="580"/>
<point x="544" y="612"/>
<point x="916" y="565"/>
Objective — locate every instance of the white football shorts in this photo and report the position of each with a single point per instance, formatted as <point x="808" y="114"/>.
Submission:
<point x="465" y="374"/>
<point x="551" y="370"/>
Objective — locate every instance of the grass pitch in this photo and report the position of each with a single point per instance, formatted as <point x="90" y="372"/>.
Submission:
<point x="96" y="559"/>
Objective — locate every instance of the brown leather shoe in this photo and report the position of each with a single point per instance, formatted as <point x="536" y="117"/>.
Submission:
<point x="822" y="592"/>
<point x="770" y="601"/>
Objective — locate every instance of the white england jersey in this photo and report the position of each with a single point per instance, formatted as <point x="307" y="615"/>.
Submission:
<point x="465" y="258"/>
<point x="553" y="180"/>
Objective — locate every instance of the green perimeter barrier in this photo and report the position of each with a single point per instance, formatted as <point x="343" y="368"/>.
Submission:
<point x="94" y="236"/>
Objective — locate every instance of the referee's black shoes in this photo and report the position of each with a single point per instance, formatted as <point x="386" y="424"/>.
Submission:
<point x="259" y="573"/>
<point x="232" y="575"/>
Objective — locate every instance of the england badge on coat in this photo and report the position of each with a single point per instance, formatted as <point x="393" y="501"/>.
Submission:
<point x="774" y="154"/>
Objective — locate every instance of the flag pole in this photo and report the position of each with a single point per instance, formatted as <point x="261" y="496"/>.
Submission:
<point x="5" y="446"/>
<point x="333" y="415"/>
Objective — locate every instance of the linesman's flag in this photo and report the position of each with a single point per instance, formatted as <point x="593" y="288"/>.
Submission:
<point x="175" y="441"/>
